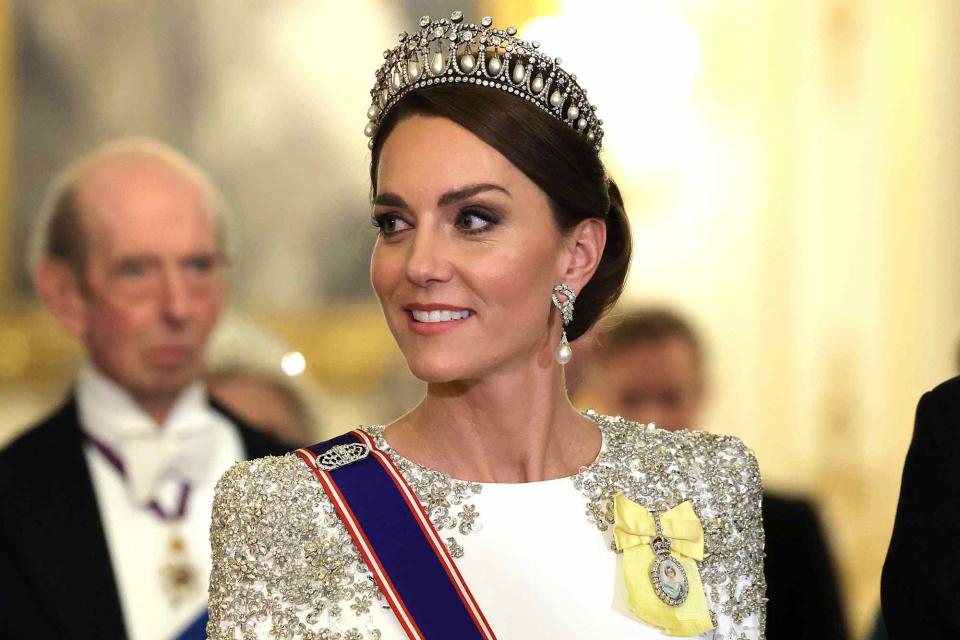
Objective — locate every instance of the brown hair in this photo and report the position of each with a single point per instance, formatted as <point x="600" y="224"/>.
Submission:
<point x="555" y="157"/>
<point x="649" y="325"/>
<point x="66" y="237"/>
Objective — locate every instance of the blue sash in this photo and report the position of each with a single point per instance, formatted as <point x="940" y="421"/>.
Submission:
<point x="197" y="629"/>
<point x="399" y="544"/>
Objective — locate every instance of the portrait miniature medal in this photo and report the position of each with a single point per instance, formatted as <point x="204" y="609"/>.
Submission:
<point x="661" y="555"/>
<point x="668" y="576"/>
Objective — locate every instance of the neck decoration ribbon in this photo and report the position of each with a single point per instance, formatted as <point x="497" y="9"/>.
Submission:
<point x="660" y="556"/>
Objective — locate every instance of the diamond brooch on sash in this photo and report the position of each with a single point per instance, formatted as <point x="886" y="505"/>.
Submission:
<point x="670" y="581"/>
<point x="342" y="455"/>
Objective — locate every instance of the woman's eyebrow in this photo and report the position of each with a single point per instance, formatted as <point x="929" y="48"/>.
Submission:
<point x="390" y="200"/>
<point x="460" y="194"/>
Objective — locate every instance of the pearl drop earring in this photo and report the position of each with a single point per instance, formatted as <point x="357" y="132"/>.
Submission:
<point x="565" y="307"/>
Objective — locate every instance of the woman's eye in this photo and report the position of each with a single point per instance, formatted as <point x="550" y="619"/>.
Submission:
<point x="389" y="223"/>
<point x="475" y="220"/>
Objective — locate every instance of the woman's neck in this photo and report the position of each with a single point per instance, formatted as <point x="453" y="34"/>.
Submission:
<point x="515" y="426"/>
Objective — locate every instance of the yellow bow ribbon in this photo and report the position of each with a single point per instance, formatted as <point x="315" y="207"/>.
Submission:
<point x="634" y="529"/>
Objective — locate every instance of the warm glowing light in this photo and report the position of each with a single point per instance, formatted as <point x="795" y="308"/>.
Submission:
<point x="293" y="363"/>
<point x="640" y="79"/>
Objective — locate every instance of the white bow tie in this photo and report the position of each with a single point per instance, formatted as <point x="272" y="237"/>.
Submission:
<point x="153" y="459"/>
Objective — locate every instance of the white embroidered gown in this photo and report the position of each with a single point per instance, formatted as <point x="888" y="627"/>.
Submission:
<point x="538" y="557"/>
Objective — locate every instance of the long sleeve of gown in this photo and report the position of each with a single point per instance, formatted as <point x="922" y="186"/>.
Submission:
<point x="738" y="598"/>
<point x="283" y="566"/>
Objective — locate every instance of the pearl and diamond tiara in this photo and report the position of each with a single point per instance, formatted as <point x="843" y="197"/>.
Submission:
<point x="448" y="51"/>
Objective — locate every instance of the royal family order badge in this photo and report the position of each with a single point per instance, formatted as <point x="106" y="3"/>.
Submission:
<point x="670" y="581"/>
<point x="660" y="555"/>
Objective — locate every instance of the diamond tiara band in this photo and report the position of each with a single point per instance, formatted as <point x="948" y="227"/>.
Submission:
<point x="450" y="51"/>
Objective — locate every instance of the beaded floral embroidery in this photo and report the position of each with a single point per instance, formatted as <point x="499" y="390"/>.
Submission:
<point x="443" y="498"/>
<point x="282" y="557"/>
<point x="660" y="469"/>
<point x="281" y="553"/>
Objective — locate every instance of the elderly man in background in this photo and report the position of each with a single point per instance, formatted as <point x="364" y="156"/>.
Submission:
<point x="650" y="368"/>
<point x="105" y="505"/>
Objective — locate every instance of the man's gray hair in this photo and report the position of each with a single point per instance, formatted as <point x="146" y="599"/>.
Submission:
<point x="57" y="230"/>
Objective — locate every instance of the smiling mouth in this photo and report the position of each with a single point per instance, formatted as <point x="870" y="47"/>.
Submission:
<point x="440" y="316"/>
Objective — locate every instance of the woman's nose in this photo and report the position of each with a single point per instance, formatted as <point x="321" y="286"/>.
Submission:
<point x="428" y="258"/>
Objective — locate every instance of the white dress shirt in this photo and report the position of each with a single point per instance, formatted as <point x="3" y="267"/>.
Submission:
<point x="194" y="445"/>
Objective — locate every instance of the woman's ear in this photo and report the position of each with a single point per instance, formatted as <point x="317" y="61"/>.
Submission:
<point x="584" y="243"/>
<point x="58" y="285"/>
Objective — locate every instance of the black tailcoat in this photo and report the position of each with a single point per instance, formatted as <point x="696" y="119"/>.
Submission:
<point x="920" y="588"/>
<point x="56" y="578"/>
<point x="804" y="598"/>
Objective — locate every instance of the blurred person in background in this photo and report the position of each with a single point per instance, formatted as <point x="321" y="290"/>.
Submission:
<point x="933" y="451"/>
<point x="259" y="378"/>
<point x="267" y="401"/>
<point x="649" y="367"/>
<point x="105" y="505"/>
<point x="920" y="587"/>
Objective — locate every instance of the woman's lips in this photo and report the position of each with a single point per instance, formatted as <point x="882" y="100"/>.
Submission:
<point x="435" y="315"/>
<point x="431" y="320"/>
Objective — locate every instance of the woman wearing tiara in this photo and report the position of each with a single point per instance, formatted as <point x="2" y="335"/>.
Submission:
<point x="493" y="508"/>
